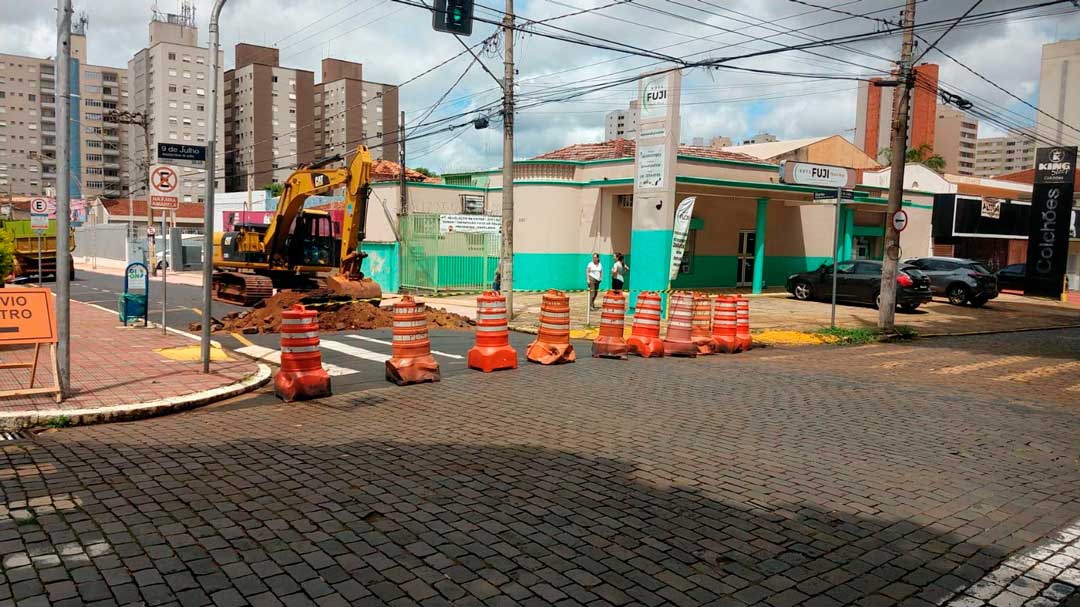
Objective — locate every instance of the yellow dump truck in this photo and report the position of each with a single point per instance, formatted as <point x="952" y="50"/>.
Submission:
<point x="27" y="246"/>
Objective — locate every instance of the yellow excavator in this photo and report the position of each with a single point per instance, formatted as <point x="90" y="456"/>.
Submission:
<point x="298" y="249"/>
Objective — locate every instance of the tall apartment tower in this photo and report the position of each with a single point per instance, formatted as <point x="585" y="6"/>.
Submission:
<point x="1059" y="93"/>
<point x="28" y="125"/>
<point x="874" y="112"/>
<point x="268" y="119"/>
<point x="350" y="110"/>
<point x="622" y="124"/>
<point x="1001" y="155"/>
<point x="169" y="85"/>
<point x="955" y="138"/>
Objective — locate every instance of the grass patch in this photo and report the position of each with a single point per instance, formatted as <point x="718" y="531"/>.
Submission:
<point x="848" y="337"/>
<point x="60" y="421"/>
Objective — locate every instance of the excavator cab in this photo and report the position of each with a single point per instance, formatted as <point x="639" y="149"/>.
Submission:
<point x="311" y="242"/>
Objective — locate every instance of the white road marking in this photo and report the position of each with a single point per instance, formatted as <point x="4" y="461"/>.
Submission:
<point x="337" y="346"/>
<point x="274" y="356"/>
<point x="986" y="364"/>
<point x="1040" y="372"/>
<point x="383" y="341"/>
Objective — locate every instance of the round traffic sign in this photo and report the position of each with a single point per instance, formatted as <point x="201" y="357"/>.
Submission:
<point x="164" y="179"/>
<point x="900" y="220"/>
<point x="39" y="206"/>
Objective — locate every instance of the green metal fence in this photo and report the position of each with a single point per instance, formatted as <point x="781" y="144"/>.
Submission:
<point x="436" y="261"/>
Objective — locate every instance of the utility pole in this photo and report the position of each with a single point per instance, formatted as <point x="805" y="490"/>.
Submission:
<point x="887" y="305"/>
<point x="63" y="195"/>
<point x="507" y="261"/>
<point x="141" y="120"/>
<point x="404" y="209"/>
<point x="208" y="209"/>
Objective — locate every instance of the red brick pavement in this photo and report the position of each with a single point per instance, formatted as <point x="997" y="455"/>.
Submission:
<point x="112" y="365"/>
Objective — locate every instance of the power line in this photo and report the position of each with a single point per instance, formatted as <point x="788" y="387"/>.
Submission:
<point x="946" y="32"/>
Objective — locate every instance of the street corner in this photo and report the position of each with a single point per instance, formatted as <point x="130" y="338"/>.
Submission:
<point x="193" y="353"/>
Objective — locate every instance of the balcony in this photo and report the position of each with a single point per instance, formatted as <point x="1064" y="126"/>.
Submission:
<point x="49" y="174"/>
<point x="110" y="137"/>
<point x="111" y="165"/>
<point x="47" y="89"/>
<point x="110" y="152"/>
<point x="49" y="146"/>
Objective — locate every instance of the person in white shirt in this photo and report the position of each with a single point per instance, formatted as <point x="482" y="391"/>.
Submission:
<point x="618" y="272"/>
<point x="593" y="272"/>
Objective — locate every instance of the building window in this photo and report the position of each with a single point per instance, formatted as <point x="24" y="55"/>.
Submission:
<point x="172" y="72"/>
<point x="200" y="92"/>
<point x="172" y="56"/>
<point x="172" y="135"/>
<point x="93" y="157"/>
<point x="187" y="74"/>
<point x="91" y="75"/>
<point x="172" y="88"/>
<point x="93" y="116"/>
<point x="200" y="76"/>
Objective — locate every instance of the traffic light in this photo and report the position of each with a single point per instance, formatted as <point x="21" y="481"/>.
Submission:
<point x="453" y="17"/>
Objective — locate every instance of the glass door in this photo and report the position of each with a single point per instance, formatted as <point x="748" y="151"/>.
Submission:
<point x="745" y="271"/>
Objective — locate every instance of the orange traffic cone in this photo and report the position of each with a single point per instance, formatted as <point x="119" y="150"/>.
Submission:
<point x="678" y="341"/>
<point x="552" y="345"/>
<point x="644" y="337"/>
<point x="702" y="330"/>
<point x="492" y="350"/>
<point x="724" y="324"/>
<point x="301" y="375"/>
<point x="411" y="361"/>
<point x="610" y="342"/>
<point x="742" y="323"/>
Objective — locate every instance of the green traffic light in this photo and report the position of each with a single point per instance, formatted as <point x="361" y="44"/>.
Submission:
<point x="457" y="15"/>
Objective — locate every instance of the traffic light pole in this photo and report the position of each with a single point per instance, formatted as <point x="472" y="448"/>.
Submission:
<point x="507" y="261"/>
<point x="63" y="195"/>
<point x="891" y="261"/>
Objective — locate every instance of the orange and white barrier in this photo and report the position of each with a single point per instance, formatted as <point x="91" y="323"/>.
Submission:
<point x="492" y="351"/>
<point x="610" y="342"/>
<point x="742" y="324"/>
<point x="411" y="361"/>
<point x="701" y="334"/>
<point x="679" y="340"/>
<point x="724" y="321"/>
<point x="644" y="337"/>
<point x="301" y="375"/>
<point x="552" y="345"/>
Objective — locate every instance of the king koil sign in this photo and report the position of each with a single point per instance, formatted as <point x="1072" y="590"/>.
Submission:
<point x="1048" y="233"/>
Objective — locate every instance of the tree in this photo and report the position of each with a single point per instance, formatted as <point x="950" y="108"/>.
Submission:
<point x="7" y="254"/>
<point x="426" y="172"/>
<point x="275" y="189"/>
<point x="924" y="155"/>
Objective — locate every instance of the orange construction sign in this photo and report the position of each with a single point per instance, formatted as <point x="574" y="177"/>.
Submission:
<point x="27" y="317"/>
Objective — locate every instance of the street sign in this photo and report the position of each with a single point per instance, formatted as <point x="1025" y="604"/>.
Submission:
<point x="163" y="188"/>
<point x="173" y="151"/>
<point x="39" y="221"/>
<point x="39" y="206"/>
<point x="899" y="220"/>
<point x="830" y="197"/>
<point x="825" y="175"/>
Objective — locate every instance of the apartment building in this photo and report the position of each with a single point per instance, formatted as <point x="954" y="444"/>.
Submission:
<point x="168" y="84"/>
<point x="1000" y="155"/>
<point x="268" y="119"/>
<point x="955" y="137"/>
<point x="622" y="124"/>
<point x="760" y="138"/>
<point x="350" y="110"/>
<point x="28" y="125"/>
<point x="1059" y="93"/>
<point x="874" y="111"/>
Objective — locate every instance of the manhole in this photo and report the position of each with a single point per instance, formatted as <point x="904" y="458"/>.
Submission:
<point x="8" y="436"/>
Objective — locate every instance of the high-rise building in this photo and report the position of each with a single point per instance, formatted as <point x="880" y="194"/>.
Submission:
<point x="622" y="124"/>
<point x="1059" y="93"/>
<point x="350" y="110"/>
<point x="955" y="135"/>
<point x="760" y="138"/>
<point x="268" y="119"/>
<point x="28" y="125"/>
<point x="874" y="112"/>
<point x="169" y="86"/>
<point x="1000" y="155"/>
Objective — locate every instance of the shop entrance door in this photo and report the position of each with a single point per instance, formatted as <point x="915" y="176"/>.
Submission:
<point x="745" y="270"/>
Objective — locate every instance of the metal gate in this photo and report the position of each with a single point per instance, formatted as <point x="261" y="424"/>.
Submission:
<point x="436" y="261"/>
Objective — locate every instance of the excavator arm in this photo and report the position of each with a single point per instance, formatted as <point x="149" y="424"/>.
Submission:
<point x="357" y="193"/>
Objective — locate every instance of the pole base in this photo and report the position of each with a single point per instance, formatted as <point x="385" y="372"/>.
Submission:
<point x="492" y="358"/>
<point x="545" y="353"/>
<point x="416" y="370"/>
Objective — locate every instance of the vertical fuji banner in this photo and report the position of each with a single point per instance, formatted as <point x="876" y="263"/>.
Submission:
<point x="680" y="234"/>
<point x="1048" y="234"/>
<point x="654" y="181"/>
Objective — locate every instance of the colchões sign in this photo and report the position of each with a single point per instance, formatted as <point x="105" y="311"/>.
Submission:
<point x="1051" y="219"/>
<point x="175" y="151"/>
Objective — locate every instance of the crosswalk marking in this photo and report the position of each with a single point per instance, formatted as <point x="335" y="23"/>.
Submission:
<point x="383" y="341"/>
<point x="274" y="356"/>
<point x="1040" y="372"/>
<point x="337" y="346"/>
<point x="986" y="364"/>
<point x="892" y="364"/>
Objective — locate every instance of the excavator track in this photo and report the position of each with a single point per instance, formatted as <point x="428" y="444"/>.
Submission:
<point x="241" y="289"/>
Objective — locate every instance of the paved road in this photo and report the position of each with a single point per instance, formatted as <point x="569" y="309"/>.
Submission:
<point x="780" y="477"/>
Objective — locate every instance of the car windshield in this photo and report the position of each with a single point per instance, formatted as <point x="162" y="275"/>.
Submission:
<point x="978" y="267"/>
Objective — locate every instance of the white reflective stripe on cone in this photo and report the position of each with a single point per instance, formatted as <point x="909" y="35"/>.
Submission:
<point x="491" y="304"/>
<point x="554" y="327"/>
<point x="544" y="314"/>
<point x="483" y="329"/>
<point x="408" y="310"/>
<point x="646" y="321"/>
<point x="410" y="323"/>
<point x="299" y="321"/>
<point x="299" y="349"/>
<point x="304" y="335"/>
<point x="490" y="315"/>
<point x="413" y="337"/>
<point x="676" y="323"/>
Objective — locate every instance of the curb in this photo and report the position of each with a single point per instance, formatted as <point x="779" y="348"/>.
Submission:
<point x="997" y="331"/>
<point x="22" y="421"/>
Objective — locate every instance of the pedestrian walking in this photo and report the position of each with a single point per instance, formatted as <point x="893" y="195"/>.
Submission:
<point x="496" y="285"/>
<point x="593" y="272"/>
<point x="618" y="272"/>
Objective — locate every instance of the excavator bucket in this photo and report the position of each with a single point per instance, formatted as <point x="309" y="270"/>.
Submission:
<point x="365" y="289"/>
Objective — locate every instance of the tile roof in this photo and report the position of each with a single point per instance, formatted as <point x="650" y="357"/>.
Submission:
<point x="119" y="206"/>
<point x="388" y="170"/>
<point x="626" y="148"/>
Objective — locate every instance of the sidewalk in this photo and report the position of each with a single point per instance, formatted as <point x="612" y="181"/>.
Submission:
<point x="123" y="373"/>
<point x="192" y="277"/>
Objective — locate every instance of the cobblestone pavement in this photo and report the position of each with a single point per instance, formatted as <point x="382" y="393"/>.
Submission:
<point x="808" y="476"/>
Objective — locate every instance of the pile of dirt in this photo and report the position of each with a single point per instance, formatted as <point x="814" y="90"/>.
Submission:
<point x="335" y="314"/>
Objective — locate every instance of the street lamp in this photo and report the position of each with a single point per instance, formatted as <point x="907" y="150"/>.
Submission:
<point x="208" y="210"/>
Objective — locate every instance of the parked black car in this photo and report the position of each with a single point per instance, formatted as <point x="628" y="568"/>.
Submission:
<point x="1012" y="277"/>
<point x="859" y="281"/>
<point x="960" y="280"/>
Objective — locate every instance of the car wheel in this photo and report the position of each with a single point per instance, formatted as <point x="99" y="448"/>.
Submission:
<point x="957" y="294"/>
<point x="877" y="300"/>
<point x="803" y="291"/>
<point x="909" y="308"/>
<point x="978" y="302"/>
